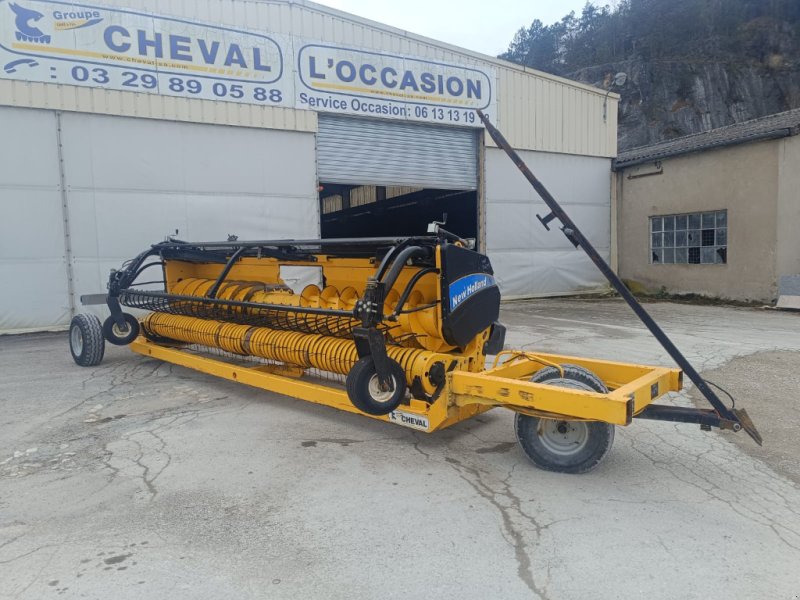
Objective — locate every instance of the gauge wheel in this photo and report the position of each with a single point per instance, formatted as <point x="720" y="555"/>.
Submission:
<point x="365" y="391"/>
<point x="121" y="336"/>
<point x="561" y="445"/>
<point x="86" y="342"/>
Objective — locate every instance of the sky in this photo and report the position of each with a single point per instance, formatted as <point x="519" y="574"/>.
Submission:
<point x="480" y="25"/>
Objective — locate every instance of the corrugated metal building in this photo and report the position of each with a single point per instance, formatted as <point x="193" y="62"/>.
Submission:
<point x="128" y="121"/>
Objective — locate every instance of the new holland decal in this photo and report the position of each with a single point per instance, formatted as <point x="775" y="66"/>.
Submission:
<point x="463" y="288"/>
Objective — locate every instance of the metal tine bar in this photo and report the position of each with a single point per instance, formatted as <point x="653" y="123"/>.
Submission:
<point x="286" y="318"/>
<point x="130" y="294"/>
<point x="295" y="243"/>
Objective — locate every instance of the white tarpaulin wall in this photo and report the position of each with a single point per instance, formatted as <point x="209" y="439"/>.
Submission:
<point x="33" y="267"/>
<point x="129" y="183"/>
<point x="529" y="260"/>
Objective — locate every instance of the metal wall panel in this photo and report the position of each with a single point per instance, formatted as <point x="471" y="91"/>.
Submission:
<point x="151" y="106"/>
<point x="529" y="260"/>
<point x="131" y="182"/>
<point x="32" y="252"/>
<point x="552" y="115"/>
<point x="536" y="111"/>
<point x="371" y="151"/>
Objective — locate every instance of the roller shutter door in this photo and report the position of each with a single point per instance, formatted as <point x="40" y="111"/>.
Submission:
<point x="375" y="152"/>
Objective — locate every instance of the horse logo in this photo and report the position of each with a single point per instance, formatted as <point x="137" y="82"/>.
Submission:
<point x="25" y="31"/>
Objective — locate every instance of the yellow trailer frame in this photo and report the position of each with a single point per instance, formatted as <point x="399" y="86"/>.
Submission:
<point x="465" y="394"/>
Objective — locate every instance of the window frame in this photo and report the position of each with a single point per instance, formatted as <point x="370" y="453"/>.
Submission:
<point x="696" y="238"/>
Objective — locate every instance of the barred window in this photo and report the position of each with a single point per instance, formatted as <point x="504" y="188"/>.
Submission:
<point x="693" y="238"/>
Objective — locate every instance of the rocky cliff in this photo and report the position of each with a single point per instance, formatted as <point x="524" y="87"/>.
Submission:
<point x="706" y="86"/>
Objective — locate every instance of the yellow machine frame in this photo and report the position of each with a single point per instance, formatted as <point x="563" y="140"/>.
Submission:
<point x="466" y="394"/>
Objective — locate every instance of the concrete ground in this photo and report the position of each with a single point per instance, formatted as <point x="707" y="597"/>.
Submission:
<point x="139" y="480"/>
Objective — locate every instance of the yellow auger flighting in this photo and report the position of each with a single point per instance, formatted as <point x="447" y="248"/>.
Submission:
<point x="398" y="329"/>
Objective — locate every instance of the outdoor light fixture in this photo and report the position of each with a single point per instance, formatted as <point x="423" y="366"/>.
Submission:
<point x="618" y="81"/>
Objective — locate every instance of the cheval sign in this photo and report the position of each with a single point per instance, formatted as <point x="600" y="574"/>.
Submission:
<point x="95" y="46"/>
<point x="112" y="48"/>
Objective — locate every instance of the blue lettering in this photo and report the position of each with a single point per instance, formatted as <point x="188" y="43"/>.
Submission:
<point x="312" y="67"/>
<point x="409" y="81"/>
<point x="59" y="16"/>
<point x="455" y="86"/>
<point x="179" y="44"/>
<point x="340" y="71"/>
<point x="257" y="64"/>
<point x="362" y="73"/>
<point x="389" y="83"/>
<point x="155" y="43"/>
<point x="474" y="89"/>
<point x="209" y="54"/>
<point x="108" y="36"/>
<point x="235" y="57"/>
<point x="428" y="83"/>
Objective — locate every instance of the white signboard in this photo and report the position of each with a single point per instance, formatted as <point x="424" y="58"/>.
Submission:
<point x="96" y="46"/>
<point x="362" y="82"/>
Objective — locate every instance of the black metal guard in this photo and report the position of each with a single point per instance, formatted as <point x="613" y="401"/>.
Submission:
<point x="739" y="418"/>
<point x="336" y="323"/>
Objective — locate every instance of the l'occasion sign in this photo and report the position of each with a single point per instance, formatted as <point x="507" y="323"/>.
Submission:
<point x="97" y="46"/>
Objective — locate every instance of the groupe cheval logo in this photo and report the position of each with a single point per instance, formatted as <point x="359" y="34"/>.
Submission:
<point x="25" y="20"/>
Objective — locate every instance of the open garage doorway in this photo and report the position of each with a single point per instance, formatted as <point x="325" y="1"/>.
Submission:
<point x="390" y="178"/>
<point x="365" y="211"/>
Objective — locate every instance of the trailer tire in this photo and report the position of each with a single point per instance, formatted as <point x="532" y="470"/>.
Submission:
<point x="121" y="337"/>
<point x="565" y="446"/>
<point x="86" y="342"/>
<point x="364" y="391"/>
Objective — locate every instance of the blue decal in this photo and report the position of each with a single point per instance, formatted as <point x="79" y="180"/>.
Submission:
<point x="12" y="66"/>
<point x="465" y="287"/>
<point x="365" y="74"/>
<point x="25" y="32"/>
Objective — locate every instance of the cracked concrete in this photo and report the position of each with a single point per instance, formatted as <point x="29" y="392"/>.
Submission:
<point x="138" y="479"/>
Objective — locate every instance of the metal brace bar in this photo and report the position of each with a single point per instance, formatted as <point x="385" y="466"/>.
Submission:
<point x="575" y="236"/>
<point x="212" y="293"/>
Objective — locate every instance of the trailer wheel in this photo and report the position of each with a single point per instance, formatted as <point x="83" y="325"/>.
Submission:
<point x="364" y="388"/>
<point x="86" y="342"/>
<point x="120" y="336"/>
<point x="565" y="446"/>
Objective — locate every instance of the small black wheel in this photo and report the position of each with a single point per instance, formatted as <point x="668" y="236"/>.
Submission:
<point x="86" y="343"/>
<point x="120" y="336"/>
<point x="365" y="391"/>
<point x="565" y="446"/>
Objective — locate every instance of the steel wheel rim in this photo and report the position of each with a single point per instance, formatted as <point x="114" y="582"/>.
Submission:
<point x="561" y="437"/>
<point x="564" y="438"/>
<point x="76" y="340"/>
<point x="376" y="393"/>
<point x="119" y="332"/>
